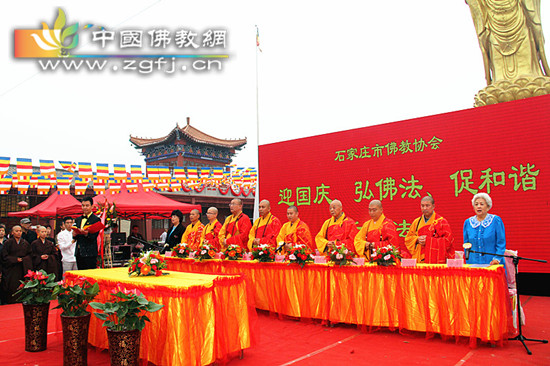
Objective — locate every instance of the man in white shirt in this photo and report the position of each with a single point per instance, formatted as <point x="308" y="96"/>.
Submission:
<point x="67" y="245"/>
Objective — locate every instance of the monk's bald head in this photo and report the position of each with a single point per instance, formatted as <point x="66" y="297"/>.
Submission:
<point x="41" y="232"/>
<point x="375" y="209"/>
<point x="194" y="215"/>
<point x="428" y="199"/>
<point x="212" y="214"/>
<point x="336" y="208"/>
<point x="292" y="213"/>
<point x="264" y="208"/>
<point x="376" y="203"/>
<point x="236" y="206"/>
<point x="16" y="231"/>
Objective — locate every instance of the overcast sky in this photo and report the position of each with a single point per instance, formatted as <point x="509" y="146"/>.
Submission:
<point x="325" y="67"/>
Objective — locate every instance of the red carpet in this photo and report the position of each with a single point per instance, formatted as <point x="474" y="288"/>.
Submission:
<point x="291" y="342"/>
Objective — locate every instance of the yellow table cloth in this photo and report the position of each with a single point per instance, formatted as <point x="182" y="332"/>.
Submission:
<point x="206" y="318"/>
<point x="460" y="302"/>
<point x="468" y="302"/>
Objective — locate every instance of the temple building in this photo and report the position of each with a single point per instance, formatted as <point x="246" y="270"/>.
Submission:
<point x="187" y="146"/>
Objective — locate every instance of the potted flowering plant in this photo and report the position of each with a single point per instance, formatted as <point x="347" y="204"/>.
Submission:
<point x="182" y="250"/>
<point x="206" y="251"/>
<point x="341" y="255"/>
<point x="233" y="252"/>
<point x="125" y="317"/>
<point x="150" y="263"/>
<point x="301" y="254"/>
<point x="263" y="253"/>
<point x="36" y="292"/>
<point x="386" y="256"/>
<point x="73" y="297"/>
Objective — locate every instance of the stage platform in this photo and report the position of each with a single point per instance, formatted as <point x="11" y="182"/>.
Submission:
<point x="291" y="342"/>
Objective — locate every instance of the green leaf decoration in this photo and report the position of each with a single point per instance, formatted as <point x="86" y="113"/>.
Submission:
<point x="60" y="21"/>
<point x="69" y="31"/>
<point x="97" y="305"/>
<point x="152" y="307"/>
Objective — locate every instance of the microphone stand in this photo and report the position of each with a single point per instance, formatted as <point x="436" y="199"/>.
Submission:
<point x="515" y="259"/>
<point x="147" y="245"/>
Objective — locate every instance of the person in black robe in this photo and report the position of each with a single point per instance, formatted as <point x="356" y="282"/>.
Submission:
<point x="2" y="240"/>
<point x="44" y="253"/>
<point x="176" y="231"/>
<point x="49" y="237"/>
<point x="16" y="262"/>
<point x="28" y="233"/>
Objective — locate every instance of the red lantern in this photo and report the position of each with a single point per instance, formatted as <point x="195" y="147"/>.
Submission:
<point x="23" y="204"/>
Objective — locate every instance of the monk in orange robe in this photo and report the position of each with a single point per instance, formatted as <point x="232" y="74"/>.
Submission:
<point x="211" y="231"/>
<point x="430" y="239"/>
<point x="337" y="230"/>
<point x="236" y="227"/>
<point x="193" y="231"/>
<point x="266" y="228"/>
<point x="377" y="232"/>
<point x="295" y="231"/>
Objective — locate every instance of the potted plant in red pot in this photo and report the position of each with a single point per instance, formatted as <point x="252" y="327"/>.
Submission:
<point x="73" y="297"/>
<point x="125" y="317"/>
<point x="36" y="292"/>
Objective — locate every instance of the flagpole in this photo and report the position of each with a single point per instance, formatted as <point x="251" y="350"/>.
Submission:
<point x="257" y="195"/>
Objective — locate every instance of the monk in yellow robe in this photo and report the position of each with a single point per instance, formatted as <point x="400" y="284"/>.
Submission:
<point x="337" y="230"/>
<point x="295" y="231"/>
<point x="377" y="232"/>
<point x="236" y="227"/>
<point x="193" y="231"/>
<point x="430" y="239"/>
<point x="211" y="232"/>
<point x="266" y="227"/>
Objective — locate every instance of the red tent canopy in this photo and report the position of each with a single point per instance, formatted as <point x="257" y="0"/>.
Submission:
<point x="48" y="208"/>
<point x="135" y="205"/>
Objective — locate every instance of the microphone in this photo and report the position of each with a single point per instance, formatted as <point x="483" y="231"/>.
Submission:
<point x="467" y="247"/>
<point x="281" y="245"/>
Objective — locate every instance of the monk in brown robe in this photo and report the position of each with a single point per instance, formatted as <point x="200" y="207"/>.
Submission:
<point x="16" y="262"/>
<point x="44" y="253"/>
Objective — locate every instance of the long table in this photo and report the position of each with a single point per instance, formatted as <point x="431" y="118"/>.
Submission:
<point x="460" y="302"/>
<point x="206" y="318"/>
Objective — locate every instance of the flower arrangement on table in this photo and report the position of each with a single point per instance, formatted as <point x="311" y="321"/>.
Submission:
<point x="36" y="288"/>
<point x="126" y="310"/>
<point x="206" y="251"/>
<point x="74" y="298"/>
<point x="147" y="264"/>
<point x="182" y="250"/>
<point x="386" y="256"/>
<point x="300" y="254"/>
<point x="341" y="255"/>
<point x="263" y="253"/>
<point x="233" y="252"/>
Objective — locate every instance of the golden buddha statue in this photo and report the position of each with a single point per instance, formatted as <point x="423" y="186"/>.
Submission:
<point x="512" y="45"/>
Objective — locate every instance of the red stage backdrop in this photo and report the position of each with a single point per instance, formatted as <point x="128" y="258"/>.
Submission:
<point x="502" y="149"/>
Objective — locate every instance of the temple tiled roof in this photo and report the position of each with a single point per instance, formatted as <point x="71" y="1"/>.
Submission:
<point x="192" y="134"/>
